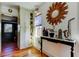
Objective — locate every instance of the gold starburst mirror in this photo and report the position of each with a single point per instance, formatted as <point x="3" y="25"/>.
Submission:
<point x="57" y="12"/>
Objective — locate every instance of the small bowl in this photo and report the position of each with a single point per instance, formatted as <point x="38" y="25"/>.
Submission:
<point x="51" y="34"/>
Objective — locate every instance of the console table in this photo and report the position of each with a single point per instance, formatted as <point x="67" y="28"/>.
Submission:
<point x="62" y="41"/>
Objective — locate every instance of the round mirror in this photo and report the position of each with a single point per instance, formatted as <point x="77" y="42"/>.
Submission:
<point x="55" y="13"/>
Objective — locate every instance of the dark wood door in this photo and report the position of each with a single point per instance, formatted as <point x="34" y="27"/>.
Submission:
<point x="9" y="31"/>
<point x="7" y="35"/>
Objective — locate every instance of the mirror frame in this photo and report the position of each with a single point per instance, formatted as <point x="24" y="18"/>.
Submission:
<point x="62" y="8"/>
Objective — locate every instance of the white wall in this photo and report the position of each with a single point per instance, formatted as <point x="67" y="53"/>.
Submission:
<point x="24" y="28"/>
<point x="4" y="10"/>
<point x="37" y="35"/>
<point x="53" y="49"/>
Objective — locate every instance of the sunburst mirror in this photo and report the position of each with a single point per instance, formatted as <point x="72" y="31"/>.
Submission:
<point x="57" y="12"/>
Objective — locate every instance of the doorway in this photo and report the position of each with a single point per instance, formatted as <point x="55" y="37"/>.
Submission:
<point x="9" y="37"/>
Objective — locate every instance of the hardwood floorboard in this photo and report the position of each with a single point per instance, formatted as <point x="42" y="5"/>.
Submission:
<point x="28" y="52"/>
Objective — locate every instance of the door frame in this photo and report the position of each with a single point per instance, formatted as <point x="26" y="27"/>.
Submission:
<point x="8" y="21"/>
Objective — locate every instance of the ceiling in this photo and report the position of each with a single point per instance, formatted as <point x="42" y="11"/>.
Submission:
<point x="27" y="5"/>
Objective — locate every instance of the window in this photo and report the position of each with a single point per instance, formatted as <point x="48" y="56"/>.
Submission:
<point x="8" y="28"/>
<point x="38" y="25"/>
<point x="38" y="20"/>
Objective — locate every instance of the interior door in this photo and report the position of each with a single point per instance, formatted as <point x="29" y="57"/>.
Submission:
<point x="9" y="32"/>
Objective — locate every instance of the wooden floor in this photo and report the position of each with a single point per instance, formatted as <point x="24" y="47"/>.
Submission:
<point x="28" y="52"/>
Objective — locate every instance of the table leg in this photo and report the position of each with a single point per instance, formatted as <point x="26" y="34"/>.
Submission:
<point x="72" y="49"/>
<point x="41" y="46"/>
